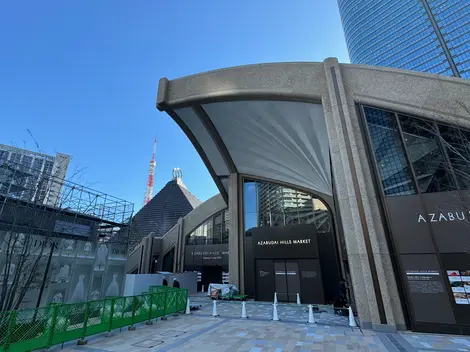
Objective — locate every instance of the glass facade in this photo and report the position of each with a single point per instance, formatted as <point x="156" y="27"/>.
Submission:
<point x="414" y="155"/>
<point x="423" y="35"/>
<point x="29" y="175"/>
<point x="212" y="231"/>
<point x="268" y="204"/>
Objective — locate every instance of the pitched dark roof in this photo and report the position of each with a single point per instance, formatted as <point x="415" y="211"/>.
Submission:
<point x="163" y="211"/>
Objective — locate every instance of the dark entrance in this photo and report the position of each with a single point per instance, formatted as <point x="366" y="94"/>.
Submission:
<point x="211" y="275"/>
<point x="286" y="280"/>
<point x="211" y="260"/>
<point x="264" y="280"/>
<point x="168" y="260"/>
<point x="281" y="276"/>
<point x="286" y="262"/>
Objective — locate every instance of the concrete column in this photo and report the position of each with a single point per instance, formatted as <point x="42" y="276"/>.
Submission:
<point x="178" y="263"/>
<point x="146" y="254"/>
<point x="236" y="238"/>
<point x="374" y="285"/>
<point x="182" y="246"/>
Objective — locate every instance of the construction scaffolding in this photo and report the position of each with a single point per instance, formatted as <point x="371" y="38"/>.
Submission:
<point x="59" y="241"/>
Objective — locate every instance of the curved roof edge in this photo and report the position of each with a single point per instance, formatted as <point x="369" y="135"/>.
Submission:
<point x="420" y="94"/>
<point x="295" y="81"/>
<point x="274" y="81"/>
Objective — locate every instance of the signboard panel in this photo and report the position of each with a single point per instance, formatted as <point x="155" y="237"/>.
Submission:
<point x="206" y="255"/>
<point x="295" y="241"/>
<point x="427" y="289"/>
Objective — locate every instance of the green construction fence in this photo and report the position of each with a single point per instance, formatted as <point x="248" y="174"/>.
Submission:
<point x="32" y="329"/>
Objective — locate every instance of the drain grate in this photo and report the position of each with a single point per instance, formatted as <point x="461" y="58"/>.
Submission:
<point x="173" y="333"/>
<point x="147" y="343"/>
<point x="397" y="344"/>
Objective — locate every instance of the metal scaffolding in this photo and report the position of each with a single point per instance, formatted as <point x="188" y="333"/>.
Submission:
<point x="43" y="217"/>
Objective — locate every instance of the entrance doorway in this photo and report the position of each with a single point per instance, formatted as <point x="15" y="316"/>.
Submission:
<point x="286" y="280"/>
<point x="286" y="261"/>
<point x="281" y="276"/>
<point x="211" y="275"/>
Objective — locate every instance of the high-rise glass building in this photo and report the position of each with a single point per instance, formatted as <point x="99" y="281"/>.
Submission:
<point x="32" y="176"/>
<point x="423" y="35"/>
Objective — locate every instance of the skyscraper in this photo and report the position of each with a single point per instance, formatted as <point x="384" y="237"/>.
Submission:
<point x="278" y="205"/>
<point x="32" y="176"/>
<point x="423" y="35"/>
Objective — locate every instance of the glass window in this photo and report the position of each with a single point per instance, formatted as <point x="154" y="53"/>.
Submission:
<point x="457" y="143"/>
<point x="37" y="165"/>
<point x="213" y="231"/>
<point x="26" y="162"/>
<point x="249" y="191"/>
<point x="15" y="157"/>
<point x="48" y="168"/>
<point x="392" y="32"/>
<point x="280" y="206"/>
<point x="429" y="162"/>
<point x="321" y="216"/>
<point x="395" y="173"/>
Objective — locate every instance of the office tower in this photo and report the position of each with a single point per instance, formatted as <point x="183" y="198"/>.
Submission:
<point x="32" y="176"/>
<point x="423" y="35"/>
<point x="278" y="205"/>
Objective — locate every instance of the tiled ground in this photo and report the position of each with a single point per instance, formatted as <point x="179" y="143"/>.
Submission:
<point x="427" y="342"/>
<point x="201" y="332"/>
<point x="261" y="310"/>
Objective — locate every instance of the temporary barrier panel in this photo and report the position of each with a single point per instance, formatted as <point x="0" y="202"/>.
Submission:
<point x="31" y="329"/>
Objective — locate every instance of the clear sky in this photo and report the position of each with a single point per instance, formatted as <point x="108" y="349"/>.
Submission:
<point x="82" y="76"/>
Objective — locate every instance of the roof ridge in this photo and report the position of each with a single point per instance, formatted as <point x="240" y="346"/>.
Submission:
<point x="185" y="190"/>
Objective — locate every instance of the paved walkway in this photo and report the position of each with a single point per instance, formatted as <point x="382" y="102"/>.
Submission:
<point x="200" y="332"/>
<point x="264" y="311"/>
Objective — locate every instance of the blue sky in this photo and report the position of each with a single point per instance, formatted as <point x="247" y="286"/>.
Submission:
<point x="82" y="76"/>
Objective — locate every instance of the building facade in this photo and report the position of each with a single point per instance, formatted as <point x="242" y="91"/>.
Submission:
<point x="197" y="242"/>
<point x="423" y="35"/>
<point x="71" y="249"/>
<point x="36" y="177"/>
<point x="375" y="164"/>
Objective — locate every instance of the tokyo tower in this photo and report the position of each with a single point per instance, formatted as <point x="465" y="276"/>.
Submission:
<point x="153" y="163"/>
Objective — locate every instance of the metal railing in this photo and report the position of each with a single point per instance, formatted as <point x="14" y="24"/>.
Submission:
<point x="31" y="329"/>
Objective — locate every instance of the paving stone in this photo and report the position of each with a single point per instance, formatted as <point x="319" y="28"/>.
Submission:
<point x="201" y="333"/>
<point x="147" y="343"/>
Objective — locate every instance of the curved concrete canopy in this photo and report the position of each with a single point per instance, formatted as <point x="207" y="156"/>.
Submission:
<point x="268" y="121"/>
<point x="283" y="141"/>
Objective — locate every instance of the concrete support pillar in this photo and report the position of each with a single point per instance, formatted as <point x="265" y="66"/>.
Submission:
<point x="178" y="263"/>
<point x="236" y="236"/>
<point x="144" y="265"/>
<point x="375" y="290"/>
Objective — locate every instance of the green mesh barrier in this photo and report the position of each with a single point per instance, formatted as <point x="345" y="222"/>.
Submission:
<point x="171" y="302"/>
<point x="98" y="317"/>
<point x="31" y="329"/>
<point x="158" y="304"/>
<point x="181" y="299"/>
<point x="6" y="321"/>
<point x="142" y="306"/>
<point x="70" y="322"/>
